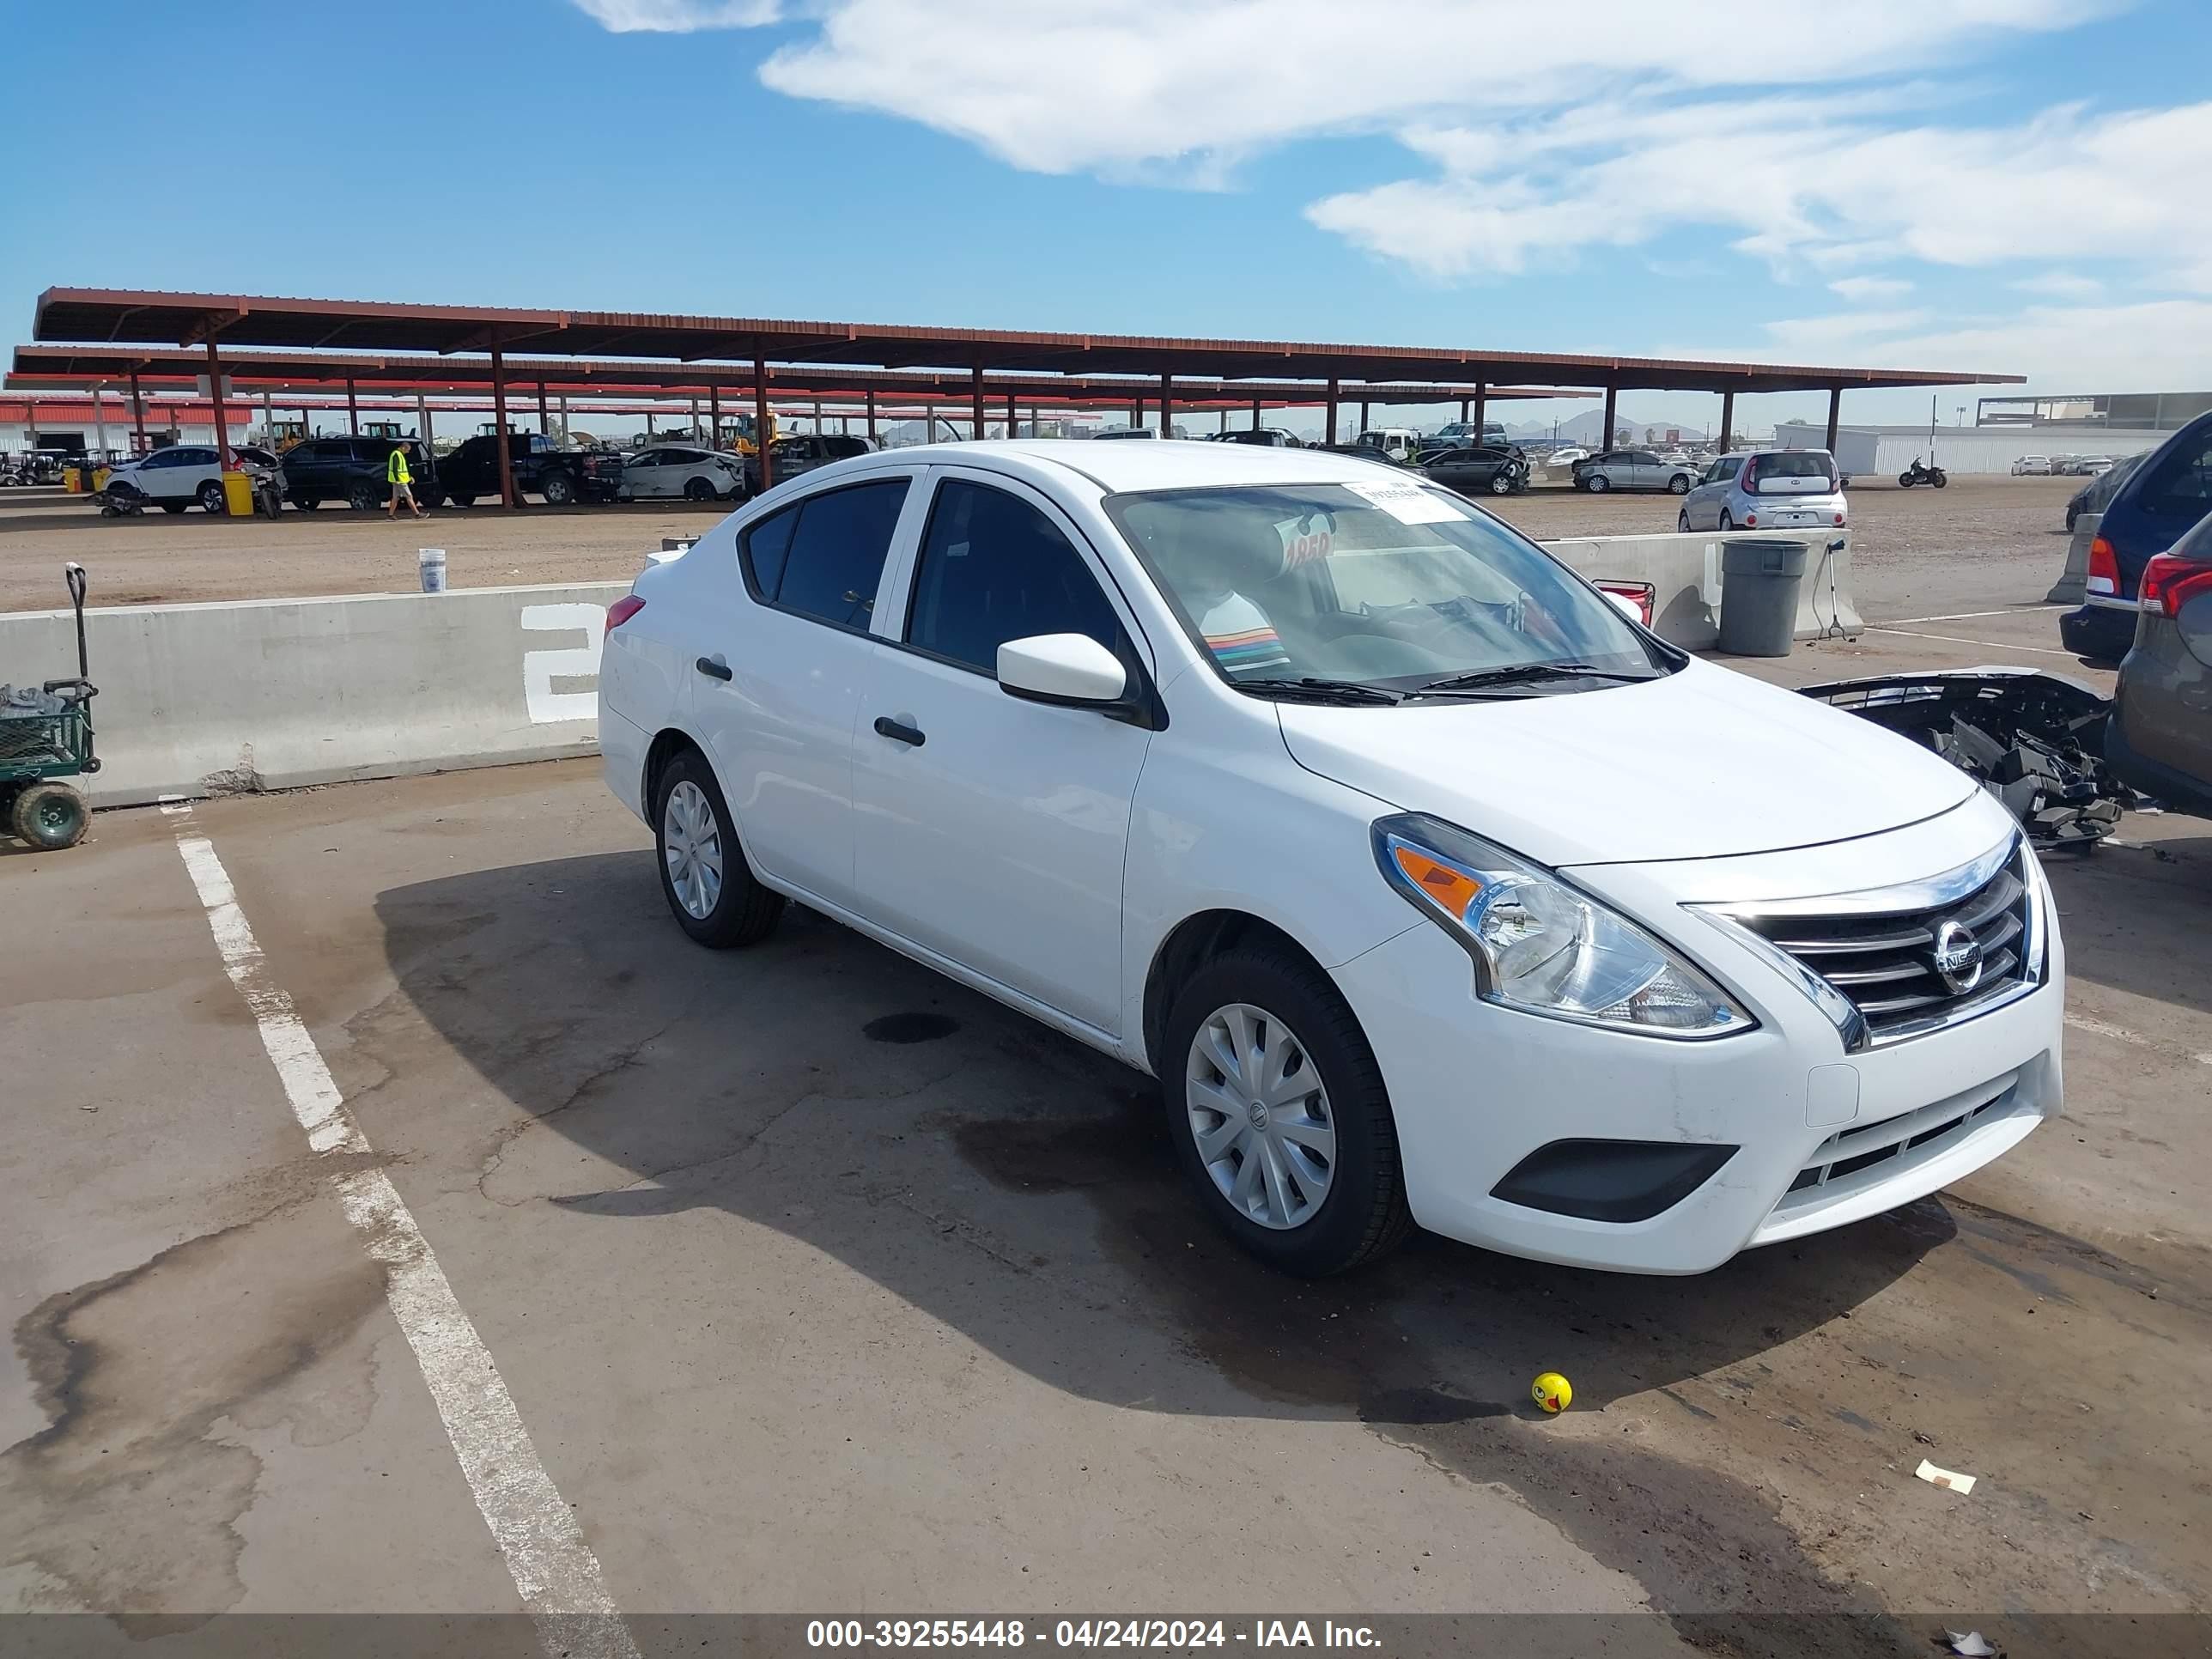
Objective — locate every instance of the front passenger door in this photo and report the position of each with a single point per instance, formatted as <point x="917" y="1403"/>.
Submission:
<point x="991" y="830"/>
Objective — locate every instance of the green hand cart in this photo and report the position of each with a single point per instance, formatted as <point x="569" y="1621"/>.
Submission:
<point x="46" y="736"/>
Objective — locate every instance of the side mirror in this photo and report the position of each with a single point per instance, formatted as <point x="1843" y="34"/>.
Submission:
<point x="1072" y="669"/>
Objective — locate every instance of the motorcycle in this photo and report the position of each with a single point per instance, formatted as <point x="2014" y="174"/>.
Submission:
<point x="1918" y="474"/>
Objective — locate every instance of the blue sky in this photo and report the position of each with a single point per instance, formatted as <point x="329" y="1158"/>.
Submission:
<point x="2000" y="184"/>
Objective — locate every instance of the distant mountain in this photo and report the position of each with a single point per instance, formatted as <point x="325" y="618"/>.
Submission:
<point x="1589" y="428"/>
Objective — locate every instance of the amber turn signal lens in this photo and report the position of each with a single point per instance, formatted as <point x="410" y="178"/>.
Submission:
<point x="1451" y="891"/>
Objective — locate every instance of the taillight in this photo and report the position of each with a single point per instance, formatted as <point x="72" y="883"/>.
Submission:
<point x="1642" y="595"/>
<point x="2170" y="583"/>
<point x="622" y="609"/>
<point x="2104" y="568"/>
<point x="1747" y="480"/>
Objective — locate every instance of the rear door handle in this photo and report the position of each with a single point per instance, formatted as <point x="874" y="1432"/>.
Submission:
<point x="899" y="732"/>
<point x="713" y="667"/>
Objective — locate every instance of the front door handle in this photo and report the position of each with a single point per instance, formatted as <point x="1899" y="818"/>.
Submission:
<point x="899" y="732"/>
<point x="713" y="667"/>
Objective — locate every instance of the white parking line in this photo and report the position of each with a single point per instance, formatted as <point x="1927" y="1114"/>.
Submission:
<point x="1986" y="645"/>
<point x="2105" y="1028"/>
<point x="553" y="1568"/>
<point x="1966" y="616"/>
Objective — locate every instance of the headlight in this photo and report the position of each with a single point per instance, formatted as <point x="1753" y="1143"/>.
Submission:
<point x="1545" y="947"/>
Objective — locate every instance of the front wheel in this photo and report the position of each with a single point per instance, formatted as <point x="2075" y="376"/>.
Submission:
<point x="211" y="498"/>
<point x="363" y="498"/>
<point x="710" y="889"/>
<point x="1905" y="481"/>
<point x="1279" y="1115"/>
<point x="1678" y="485"/>
<point x="50" y="816"/>
<point x="1939" y="479"/>
<point x="1598" y="484"/>
<point x="1501" y="484"/>
<point x="560" y="489"/>
<point x="1682" y="522"/>
<point x="306" y="503"/>
<point x="460" y="500"/>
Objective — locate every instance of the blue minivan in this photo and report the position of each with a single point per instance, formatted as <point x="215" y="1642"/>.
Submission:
<point x="2160" y="503"/>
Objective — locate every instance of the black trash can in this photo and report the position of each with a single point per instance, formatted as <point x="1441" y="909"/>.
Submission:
<point x="1758" y="595"/>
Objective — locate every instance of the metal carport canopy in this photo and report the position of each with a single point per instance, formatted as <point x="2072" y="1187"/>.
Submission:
<point x="84" y="366"/>
<point x="89" y="315"/>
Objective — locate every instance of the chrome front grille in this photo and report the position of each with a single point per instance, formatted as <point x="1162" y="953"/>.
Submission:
<point x="1913" y="958"/>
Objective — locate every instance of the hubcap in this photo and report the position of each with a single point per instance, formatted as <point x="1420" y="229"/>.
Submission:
<point x="691" y="843"/>
<point x="1260" y="1116"/>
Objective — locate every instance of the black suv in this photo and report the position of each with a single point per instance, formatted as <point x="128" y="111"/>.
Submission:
<point x="353" y="470"/>
<point x="803" y="453"/>
<point x="541" y="467"/>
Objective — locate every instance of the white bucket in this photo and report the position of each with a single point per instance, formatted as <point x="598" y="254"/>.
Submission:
<point x="431" y="562"/>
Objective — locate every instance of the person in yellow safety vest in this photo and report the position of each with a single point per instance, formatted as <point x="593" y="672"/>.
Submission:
<point x="401" y="481"/>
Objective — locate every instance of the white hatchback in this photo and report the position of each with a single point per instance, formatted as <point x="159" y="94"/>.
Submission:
<point x="1434" y="890"/>
<point x="1767" y="489"/>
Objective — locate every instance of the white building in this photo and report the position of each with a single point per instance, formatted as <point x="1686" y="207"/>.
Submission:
<point x="1961" y="449"/>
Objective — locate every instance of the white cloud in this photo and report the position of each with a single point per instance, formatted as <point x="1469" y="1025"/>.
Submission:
<point x="1856" y="288"/>
<point x="2060" y="285"/>
<point x="2153" y="345"/>
<point x="678" y="16"/>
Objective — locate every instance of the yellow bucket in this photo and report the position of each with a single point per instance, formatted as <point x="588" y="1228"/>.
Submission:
<point x="238" y="495"/>
<point x="73" y="480"/>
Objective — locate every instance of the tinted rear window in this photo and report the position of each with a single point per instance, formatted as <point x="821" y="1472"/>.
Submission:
<point x="836" y="552"/>
<point x="1795" y="463"/>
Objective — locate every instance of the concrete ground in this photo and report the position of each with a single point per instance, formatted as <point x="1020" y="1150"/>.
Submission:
<point x="822" y="1285"/>
<point x="1931" y="547"/>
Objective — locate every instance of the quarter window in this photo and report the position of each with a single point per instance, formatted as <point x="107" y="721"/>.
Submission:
<point x="994" y="568"/>
<point x="823" y="556"/>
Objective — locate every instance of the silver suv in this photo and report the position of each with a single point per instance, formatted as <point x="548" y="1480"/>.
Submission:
<point x="1766" y="490"/>
<point x="1634" y="469"/>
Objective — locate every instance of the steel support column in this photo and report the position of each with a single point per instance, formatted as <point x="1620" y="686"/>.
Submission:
<point x="1727" y="419"/>
<point x="1612" y="399"/>
<point x="353" y="408"/>
<point x="507" y="495"/>
<point x="1331" y="429"/>
<point x="760" y="422"/>
<point x="1013" y="417"/>
<point x="871" y="417"/>
<point x="1255" y="414"/>
<point x="137" y="412"/>
<point x="1363" y="420"/>
<point x="1482" y="408"/>
<point x="544" y="413"/>
<point x="713" y="416"/>
<point x="976" y="402"/>
<point x="1167" y="405"/>
<point x="215" y="398"/>
<point x="1835" y="412"/>
<point x="423" y="424"/>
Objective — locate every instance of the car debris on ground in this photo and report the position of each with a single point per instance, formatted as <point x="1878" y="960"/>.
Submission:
<point x="2036" y="741"/>
<point x="1950" y="1479"/>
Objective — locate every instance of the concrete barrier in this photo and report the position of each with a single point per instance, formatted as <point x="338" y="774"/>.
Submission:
<point x="2073" y="584"/>
<point x="1684" y="573"/>
<point x="275" y="694"/>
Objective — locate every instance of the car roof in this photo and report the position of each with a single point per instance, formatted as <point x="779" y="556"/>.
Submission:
<point x="1168" y="464"/>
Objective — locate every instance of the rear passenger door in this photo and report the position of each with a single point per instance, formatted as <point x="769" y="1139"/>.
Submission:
<point x="991" y="829"/>
<point x="775" y="695"/>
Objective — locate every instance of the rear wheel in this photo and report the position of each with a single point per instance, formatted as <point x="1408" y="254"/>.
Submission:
<point x="709" y="888"/>
<point x="50" y="816"/>
<point x="1904" y="481"/>
<point x="1278" y="1115"/>
<point x="174" y="507"/>
<point x="460" y="500"/>
<point x="1728" y="519"/>
<point x="306" y="503"/>
<point x="211" y="498"/>
<point x="1939" y="479"/>
<point x="560" y="489"/>
<point x="698" y="490"/>
<point x="362" y="497"/>
<point x="1598" y="483"/>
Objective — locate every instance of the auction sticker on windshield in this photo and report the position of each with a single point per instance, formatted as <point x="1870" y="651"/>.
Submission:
<point x="1407" y="503"/>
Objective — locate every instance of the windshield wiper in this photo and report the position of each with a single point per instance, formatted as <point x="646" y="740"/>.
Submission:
<point x="1315" y="690"/>
<point x="1515" y="673"/>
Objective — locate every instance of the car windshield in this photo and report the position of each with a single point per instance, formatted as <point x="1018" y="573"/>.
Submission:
<point x="1386" y="584"/>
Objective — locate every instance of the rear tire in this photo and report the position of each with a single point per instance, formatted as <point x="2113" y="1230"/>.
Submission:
<point x="174" y="507"/>
<point x="306" y="503"/>
<point x="1728" y="519"/>
<point x="460" y="500"/>
<point x="50" y="816"/>
<point x="698" y="490"/>
<point x="1939" y="479"/>
<point x="711" y="890"/>
<point x="560" y="489"/>
<point x="1904" y="481"/>
<point x="362" y="497"/>
<point x="1329" y="1077"/>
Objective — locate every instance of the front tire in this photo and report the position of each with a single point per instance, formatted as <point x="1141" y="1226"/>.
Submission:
<point x="1682" y="522"/>
<point x="1904" y="481"/>
<point x="363" y="498"/>
<point x="1678" y="485"/>
<point x="1598" y="484"/>
<point x="1939" y="479"/>
<point x="1279" y="1113"/>
<point x="710" y="889"/>
<point x="306" y="503"/>
<point x="1501" y="484"/>
<point x="50" y="816"/>
<point x="211" y="498"/>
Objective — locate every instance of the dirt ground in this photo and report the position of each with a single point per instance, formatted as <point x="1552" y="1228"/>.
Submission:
<point x="1919" y="550"/>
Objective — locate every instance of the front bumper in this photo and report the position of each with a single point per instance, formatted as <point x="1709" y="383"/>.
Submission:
<point x="1822" y="1137"/>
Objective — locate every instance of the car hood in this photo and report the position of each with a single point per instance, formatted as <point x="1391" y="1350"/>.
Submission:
<point x="1703" y="763"/>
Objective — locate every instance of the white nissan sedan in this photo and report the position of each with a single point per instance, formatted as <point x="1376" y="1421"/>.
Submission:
<point x="1433" y="888"/>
